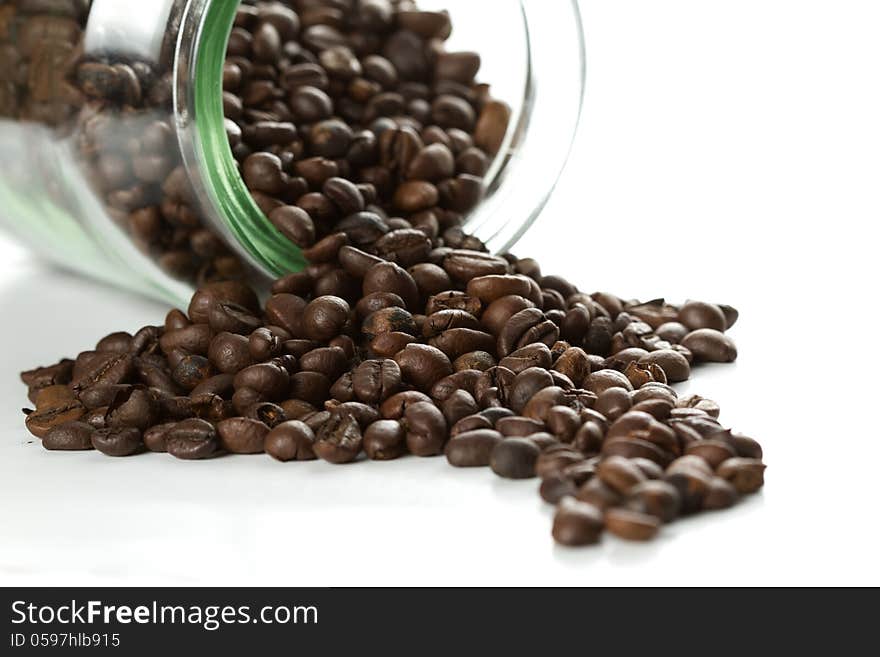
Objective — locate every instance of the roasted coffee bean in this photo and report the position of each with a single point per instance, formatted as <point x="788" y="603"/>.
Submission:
<point x="230" y="353"/>
<point x="117" y="441"/>
<point x="390" y="277"/>
<point x="542" y="401"/>
<point x="518" y="427"/>
<point x="613" y="402"/>
<point x="191" y="439"/>
<point x="385" y="440"/>
<point x="242" y="435"/>
<point x="672" y="332"/>
<point x="69" y="437"/>
<point x="312" y="387"/>
<point x="563" y="423"/>
<point x="423" y="365"/>
<point x="599" y="494"/>
<point x="156" y="437"/>
<point x="290" y="441"/>
<point x="697" y="402"/>
<point x="455" y="342"/>
<point x="573" y="363"/>
<point x="267" y="379"/>
<point x="388" y="320"/>
<point x="472" y="448"/>
<point x="104" y="368"/>
<point x="619" y="473"/>
<point x="721" y="494"/>
<point x="464" y="266"/>
<point x="533" y="355"/>
<point x="514" y="458"/>
<point x="526" y="327"/>
<point x="692" y="484"/>
<point x="474" y="360"/>
<point x="588" y="438"/>
<point x="714" y="452"/>
<point x="747" y="447"/>
<point x="445" y="320"/>
<point x="699" y="315"/>
<point x="674" y="365"/>
<point x="599" y="382"/>
<point x="453" y="300"/>
<point x="631" y="525"/>
<point x="191" y="371"/>
<point x="710" y="345"/>
<point x="555" y="487"/>
<point x="746" y="474"/>
<point x="458" y="405"/>
<point x="41" y="421"/>
<point x="426" y="429"/>
<point x="295" y="224"/>
<point x="657" y="498"/>
<point x="119" y="342"/>
<point x="269" y="414"/>
<point x="470" y="423"/>
<point x="339" y="440"/>
<point x="132" y="407"/>
<point x="577" y="523"/>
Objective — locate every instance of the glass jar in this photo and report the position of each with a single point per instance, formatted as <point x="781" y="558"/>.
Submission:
<point x="116" y="160"/>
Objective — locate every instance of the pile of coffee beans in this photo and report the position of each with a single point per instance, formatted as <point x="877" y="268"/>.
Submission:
<point x="364" y="142"/>
<point x="461" y="353"/>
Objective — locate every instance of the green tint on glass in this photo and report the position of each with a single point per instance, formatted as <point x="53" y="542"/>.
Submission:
<point x="239" y="213"/>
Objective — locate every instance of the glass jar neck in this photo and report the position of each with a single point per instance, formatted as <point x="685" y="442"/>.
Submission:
<point x="198" y="103"/>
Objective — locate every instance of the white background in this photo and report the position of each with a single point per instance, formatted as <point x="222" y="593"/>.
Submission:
<point x="730" y="151"/>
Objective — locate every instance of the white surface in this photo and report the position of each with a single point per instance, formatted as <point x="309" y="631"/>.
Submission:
<point x="730" y="151"/>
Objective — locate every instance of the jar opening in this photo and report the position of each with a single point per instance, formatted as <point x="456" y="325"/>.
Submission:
<point x="234" y="209"/>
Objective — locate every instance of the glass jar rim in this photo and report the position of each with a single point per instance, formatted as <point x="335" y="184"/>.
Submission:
<point x="217" y="182"/>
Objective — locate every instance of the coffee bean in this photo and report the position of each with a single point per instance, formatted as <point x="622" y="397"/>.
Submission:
<point x="241" y="435"/>
<point x="514" y="458"/>
<point x="556" y="487"/>
<point x="339" y="440"/>
<point x="329" y="361"/>
<point x="325" y="317"/>
<point x="577" y="523"/>
<point x="710" y="345"/>
<point x="747" y="447"/>
<point x="385" y="440"/>
<point x="721" y="494"/>
<point x="472" y="448"/>
<point x="69" y="436"/>
<point x="657" y="498"/>
<point x="599" y="382"/>
<point x="631" y="525"/>
<point x="191" y="439"/>
<point x="41" y="421"/>
<point x="290" y="441"/>
<point x="699" y="315"/>
<point x="674" y="365"/>
<point x="295" y="224"/>
<point x="389" y="320"/>
<point x="746" y="474"/>
<point x="426" y="429"/>
<point x="117" y="441"/>
<point x="619" y="473"/>
<point x="492" y="126"/>
<point x="423" y="365"/>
